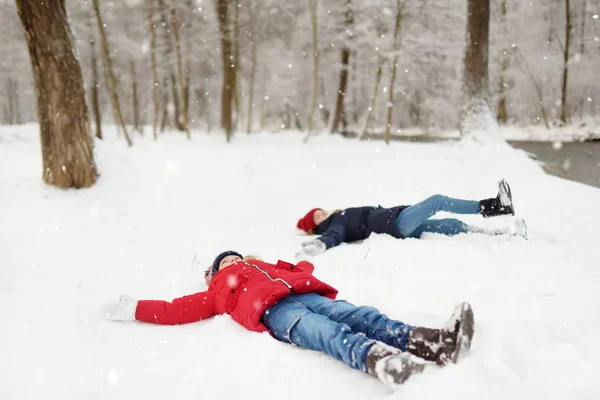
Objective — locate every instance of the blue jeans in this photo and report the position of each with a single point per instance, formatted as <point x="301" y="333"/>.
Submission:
<point x="414" y="220"/>
<point x="335" y="327"/>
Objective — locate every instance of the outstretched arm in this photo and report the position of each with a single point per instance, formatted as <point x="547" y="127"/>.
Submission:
<point x="182" y="310"/>
<point x="333" y="236"/>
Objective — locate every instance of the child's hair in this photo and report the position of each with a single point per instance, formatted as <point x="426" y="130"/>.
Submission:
<point x="251" y="257"/>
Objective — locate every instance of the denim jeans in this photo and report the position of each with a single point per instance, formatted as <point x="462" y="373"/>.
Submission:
<point x="414" y="220"/>
<point x="336" y="327"/>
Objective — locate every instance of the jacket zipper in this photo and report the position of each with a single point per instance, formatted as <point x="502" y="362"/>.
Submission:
<point x="265" y="273"/>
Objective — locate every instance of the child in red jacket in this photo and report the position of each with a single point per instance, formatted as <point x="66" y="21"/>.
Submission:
<point x="295" y="307"/>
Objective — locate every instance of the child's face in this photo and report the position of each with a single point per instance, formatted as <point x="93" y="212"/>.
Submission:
<point x="319" y="216"/>
<point x="227" y="261"/>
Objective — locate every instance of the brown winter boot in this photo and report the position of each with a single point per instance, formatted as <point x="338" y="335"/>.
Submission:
<point x="448" y="344"/>
<point x="390" y="365"/>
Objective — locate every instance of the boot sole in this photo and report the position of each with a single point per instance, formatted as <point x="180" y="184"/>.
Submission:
<point x="465" y="333"/>
<point x="503" y="186"/>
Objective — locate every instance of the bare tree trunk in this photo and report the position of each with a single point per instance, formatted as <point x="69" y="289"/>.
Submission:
<point x="112" y="79"/>
<point x="378" y="75"/>
<point x="94" y="89"/>
<point x="338" y="115"/>
<point x="155" y="84"/>
<point x="67" y="156"/>
<point x="502" y="112"/>
<point x="538" y="89"/>
<point x="253" y="66"/>
<point x="14" y="106"/>
<point x="313" y="104"/>
<point x="165" y="108"/>
<point x="475" y="111"/>
<point x="390" y="105"/>
<point x="229" y="77"/>
<point x="236" y="62"/>
<point x="11" y="104"/>
<point x="135" y="102"/>
<point x="176" y="103"/>
<point x="583" y="17"/>
<point x="563" y="108"/>
<point x="17" y="103"/>
<point x="171" y="81"/>
<point x="180" y="79"/>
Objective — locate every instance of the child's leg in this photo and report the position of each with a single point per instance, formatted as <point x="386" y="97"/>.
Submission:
<point x="290" y="321"/>
<point x="446" y="226"/>
<point x="366" y="320"/>
<point x="412" y="217"/>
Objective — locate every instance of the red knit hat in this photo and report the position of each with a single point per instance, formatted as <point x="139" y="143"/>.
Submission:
<point x="307" y="222"/>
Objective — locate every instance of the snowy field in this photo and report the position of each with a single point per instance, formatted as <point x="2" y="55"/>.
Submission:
<point x="162" y="210"/>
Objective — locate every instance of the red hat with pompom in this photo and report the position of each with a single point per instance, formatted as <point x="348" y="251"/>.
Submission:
<point x="307" y="222"/>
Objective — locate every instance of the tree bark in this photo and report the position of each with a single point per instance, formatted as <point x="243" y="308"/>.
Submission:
<point x="236" y="62"/>
<point x="390" y="105"/>
<point x="338" y="115"/>
<point x="134" y="98"/>
<point x="67" y="155"/>
<point x="111" y="74"/>
<point x="313" y="17"/>
<point x="180" y="78"/>
<point x="569" y="26"/>
<point x="94" y="90"/>
<point x="475" y="112"/>
<point x="229" y="77"/>
<point x="252" y="67"/>
<point x="155" y="84"/>
<point x="373" y="101"/>
<point x="502" y="111"/>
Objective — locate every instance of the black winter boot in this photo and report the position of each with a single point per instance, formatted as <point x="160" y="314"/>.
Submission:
<point x="448" y="344"/>
<point x="390" y="365"/>
<point x="502" y="204"/>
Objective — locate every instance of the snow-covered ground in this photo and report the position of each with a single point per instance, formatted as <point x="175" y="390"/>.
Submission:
<point x="161" y="211"/>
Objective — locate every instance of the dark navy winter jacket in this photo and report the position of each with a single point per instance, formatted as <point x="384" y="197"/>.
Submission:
<point x="353" y="224"/>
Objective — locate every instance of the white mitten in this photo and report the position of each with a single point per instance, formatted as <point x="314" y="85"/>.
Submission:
<point x="124" y="310"/>
<point x="313" y="247"/>
<point x="302" y="256"/>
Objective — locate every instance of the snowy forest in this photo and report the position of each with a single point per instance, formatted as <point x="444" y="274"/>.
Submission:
<point x="333" y="65"/>
<point x="329" y="199"/>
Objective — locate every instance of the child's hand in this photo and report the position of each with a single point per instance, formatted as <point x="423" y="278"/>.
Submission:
<point x="302" y="256"/>
<point x="313" y="247"/>
<point x="124" y="310"/>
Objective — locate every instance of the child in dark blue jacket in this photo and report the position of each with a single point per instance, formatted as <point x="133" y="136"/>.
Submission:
<point x="354" y="224"/>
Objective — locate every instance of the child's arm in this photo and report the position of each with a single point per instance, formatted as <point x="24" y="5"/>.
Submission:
<point x="191" y="308"/>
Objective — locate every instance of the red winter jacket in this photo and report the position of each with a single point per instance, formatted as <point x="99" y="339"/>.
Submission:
<point x="243" y="290"/>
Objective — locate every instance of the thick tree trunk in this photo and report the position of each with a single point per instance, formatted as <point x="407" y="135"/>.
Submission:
<point x="111" y="75"/>
<point x="502" y="111"/>
<point x="475" y="112"/>
<point x="229" y="77"/>
<point x="313" y="104"/>
<point x="180" y="78"/>
<point x="390" y="105"/>
<point x="563" y="109"/>
<point x="155" y="84"/>
<point x="67" y="155"/>
<point x="338" y="114"/>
